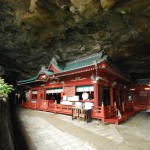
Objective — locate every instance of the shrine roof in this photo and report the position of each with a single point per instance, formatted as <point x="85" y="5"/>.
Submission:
<point x="56" y="65"/>
<point x="91" y="60"/>
<point x="85" y="62"/>
<point x="47" y="72"/>
<point x="72" y="65"/>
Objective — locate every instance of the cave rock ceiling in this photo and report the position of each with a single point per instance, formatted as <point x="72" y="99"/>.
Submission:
<point x="34" y="31"/>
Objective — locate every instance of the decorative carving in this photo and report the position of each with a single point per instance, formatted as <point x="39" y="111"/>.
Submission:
<point x="43" y="68"/>
<point x="43" y="77"/>
<point x="54" y="61"/>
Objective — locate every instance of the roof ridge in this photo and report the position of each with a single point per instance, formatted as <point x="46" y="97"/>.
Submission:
<point x="84" y="58"/>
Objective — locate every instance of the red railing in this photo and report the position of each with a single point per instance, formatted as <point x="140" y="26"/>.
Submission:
<point x="109" y="112"/>
<point x="141" y="105"/>
<point x="64" y="109"/>
<point x="97" y="112"/>
<point x="127" y="106"/>
<point x="103" y="113"/>
<point x="33" y="104"/>
<point x="26" y="104"/>
<point x="51" y="107"/>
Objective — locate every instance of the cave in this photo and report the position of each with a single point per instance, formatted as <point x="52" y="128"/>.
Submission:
<point x="32" y="32"/>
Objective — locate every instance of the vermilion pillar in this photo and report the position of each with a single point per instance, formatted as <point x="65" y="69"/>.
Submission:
<point x="30" y="97"/>
<point x="95" y="93"/>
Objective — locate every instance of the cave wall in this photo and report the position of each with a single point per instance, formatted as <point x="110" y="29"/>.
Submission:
<point x="6" y="132"/>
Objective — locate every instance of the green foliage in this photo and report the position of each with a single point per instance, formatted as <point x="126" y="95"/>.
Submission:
<point x="5" y="89"/>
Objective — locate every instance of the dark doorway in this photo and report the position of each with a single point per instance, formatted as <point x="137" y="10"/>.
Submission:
<point x="54" y="96"/>
<point x="106" y="96"/>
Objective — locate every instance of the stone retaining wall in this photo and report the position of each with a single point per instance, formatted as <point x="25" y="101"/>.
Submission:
<point x="6" y="142"/>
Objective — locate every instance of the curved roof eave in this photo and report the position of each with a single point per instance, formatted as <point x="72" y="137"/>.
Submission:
<point x="48" y="73"/>
<point x="28" y="80"/>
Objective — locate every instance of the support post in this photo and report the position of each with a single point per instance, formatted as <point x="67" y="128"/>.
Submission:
<point x="123" y="106"/>
<point x="103" y="112"/>
<point x="30" y="97"/>
<point x="95" y="94"/>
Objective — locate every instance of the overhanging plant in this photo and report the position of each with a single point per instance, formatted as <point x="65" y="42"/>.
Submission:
<point x="5" y="89"/>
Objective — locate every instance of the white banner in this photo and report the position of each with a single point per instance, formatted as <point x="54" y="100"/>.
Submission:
<point x="84" y="88"/>
<point x="54" y="91"/>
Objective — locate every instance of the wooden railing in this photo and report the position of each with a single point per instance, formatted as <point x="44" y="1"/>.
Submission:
<point x="127" y="106"/>
<point x="109" y="111"/>
<point x="139" y="105"/>
<point x="26" y="104"/>
<point x="48" y="105"/>
<point x="144" y="103"/>
<point x="103" y="113"/>
<point x="38" y="105"/>
<point x="97" y="112"/>
<point x="58" y="108"/>
<point x="33" y="104"/>
<point x="67" y="109"/>
<point x="51" y="107"/>
<point x="64" y="109"/>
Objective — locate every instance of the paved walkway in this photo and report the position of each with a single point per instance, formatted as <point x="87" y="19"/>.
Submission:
<point x="48" y="131"/>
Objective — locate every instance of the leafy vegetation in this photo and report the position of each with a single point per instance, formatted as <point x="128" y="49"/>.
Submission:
<point x="5" y="89"/>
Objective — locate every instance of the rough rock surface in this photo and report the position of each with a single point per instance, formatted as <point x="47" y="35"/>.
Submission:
<point x="33" y="31"/>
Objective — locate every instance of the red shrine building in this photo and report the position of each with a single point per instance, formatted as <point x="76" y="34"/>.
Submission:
<point x="141" y="94"/>
<point x="91" y="82"/>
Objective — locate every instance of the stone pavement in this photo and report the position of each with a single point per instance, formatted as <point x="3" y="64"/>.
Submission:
<point x="48" y="131"/>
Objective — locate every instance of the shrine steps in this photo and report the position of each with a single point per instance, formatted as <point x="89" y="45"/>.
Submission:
<point x="114" y="120"/>
<point x="117" y="120"/>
